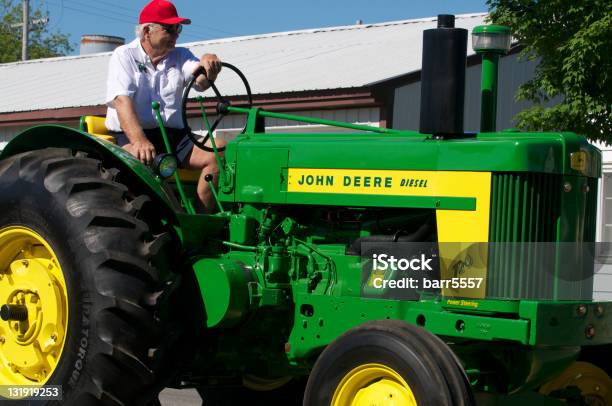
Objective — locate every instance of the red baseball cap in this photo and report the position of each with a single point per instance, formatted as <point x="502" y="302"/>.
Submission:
<point x="162" y="12"/>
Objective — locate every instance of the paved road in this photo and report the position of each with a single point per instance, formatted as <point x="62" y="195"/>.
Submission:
<point x="182" y="397"/>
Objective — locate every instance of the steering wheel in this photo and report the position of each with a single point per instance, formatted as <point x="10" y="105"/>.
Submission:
<point x="222" y="105"/>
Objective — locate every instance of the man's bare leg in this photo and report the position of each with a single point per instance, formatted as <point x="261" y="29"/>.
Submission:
<point x="206" y="161"/>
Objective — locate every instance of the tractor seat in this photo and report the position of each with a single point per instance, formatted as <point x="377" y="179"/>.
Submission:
<point x="95" y="126"/>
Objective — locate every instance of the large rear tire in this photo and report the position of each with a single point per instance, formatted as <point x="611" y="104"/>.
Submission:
<point x="388" y="363"/>
<point x="78" y="249"/>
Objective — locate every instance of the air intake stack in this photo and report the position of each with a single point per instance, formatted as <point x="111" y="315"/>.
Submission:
<point x="443" y="79"/>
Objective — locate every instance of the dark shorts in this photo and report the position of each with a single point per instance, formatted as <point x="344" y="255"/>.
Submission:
<point x="179" y="141"/>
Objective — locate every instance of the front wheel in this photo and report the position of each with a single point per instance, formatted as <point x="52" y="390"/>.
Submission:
<point x="388" y="363"/>
<point x="77" y="274"/>
<point x="581" y="383"/>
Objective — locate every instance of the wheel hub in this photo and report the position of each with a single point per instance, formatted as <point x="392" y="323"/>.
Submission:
<point x="592" y="382"/>
<point x="373" y="385"/>
<point x="12" y="312"/>
<point x="34" y="311"/>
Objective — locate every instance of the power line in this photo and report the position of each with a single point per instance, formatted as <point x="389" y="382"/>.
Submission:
<point x="76" y="6"/>
<point x="59" y="20"/>
<point x="206" y="27"/>
<point x="130" y="17"/>
<point x="98" y="15"/>
<point x="116" y="17"/>
<point x="214" y="29"/>
<point x="115" y="5"/>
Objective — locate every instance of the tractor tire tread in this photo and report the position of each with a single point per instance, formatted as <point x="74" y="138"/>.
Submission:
<point x="118" y="251"/>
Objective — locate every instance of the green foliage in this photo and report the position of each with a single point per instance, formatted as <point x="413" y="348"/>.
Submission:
<point x="42" y="43"/>
<point x="574" y="41"/>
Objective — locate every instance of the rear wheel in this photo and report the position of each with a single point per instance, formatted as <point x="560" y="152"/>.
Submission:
<point x="34" y="307"/>
<point x="581" y="381"/>
<point x="78" y="276"/>
<point x="388" y="363"/>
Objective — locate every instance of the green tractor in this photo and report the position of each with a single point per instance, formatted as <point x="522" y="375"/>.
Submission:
<point x="381" y="267"/>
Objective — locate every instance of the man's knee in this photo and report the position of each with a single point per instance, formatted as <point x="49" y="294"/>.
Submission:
<point x="201" y="159"/>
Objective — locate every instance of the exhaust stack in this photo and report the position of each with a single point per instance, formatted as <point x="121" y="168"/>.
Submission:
<point x="443" y="79"/>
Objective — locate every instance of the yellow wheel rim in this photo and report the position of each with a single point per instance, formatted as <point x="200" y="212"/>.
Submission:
<point x="593" y="382"/>
<point x="373" y="385"/>
<point x="31" y="278"/>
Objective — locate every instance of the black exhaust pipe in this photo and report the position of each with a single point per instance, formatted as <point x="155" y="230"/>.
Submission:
<point x="443" y="79"/>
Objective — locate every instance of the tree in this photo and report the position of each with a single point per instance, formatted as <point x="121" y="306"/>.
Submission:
<point x="573" y="40"/>
<point x="41" y="44"/>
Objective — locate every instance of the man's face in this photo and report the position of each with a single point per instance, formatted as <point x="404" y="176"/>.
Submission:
<point x="163" y="37"/>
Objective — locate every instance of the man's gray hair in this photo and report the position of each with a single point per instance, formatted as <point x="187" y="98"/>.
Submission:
<point x="140" y="28"/>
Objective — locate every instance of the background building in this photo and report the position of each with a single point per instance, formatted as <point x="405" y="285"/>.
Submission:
<point x="366" y="74"/>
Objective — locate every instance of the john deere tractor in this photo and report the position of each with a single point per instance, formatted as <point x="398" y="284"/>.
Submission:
<point x="380" y="267"/>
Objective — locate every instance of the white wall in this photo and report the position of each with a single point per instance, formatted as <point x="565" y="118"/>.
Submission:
<point x="7" y="134"/>
<point x="603" y="278"/>
<point x="407" y="107"/>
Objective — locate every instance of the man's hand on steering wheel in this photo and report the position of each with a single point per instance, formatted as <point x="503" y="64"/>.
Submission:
<point x="212" y="66"/>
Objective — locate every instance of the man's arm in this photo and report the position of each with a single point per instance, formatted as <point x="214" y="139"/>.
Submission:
<point x="139" y="145"/>
<point x="212" y="64"/>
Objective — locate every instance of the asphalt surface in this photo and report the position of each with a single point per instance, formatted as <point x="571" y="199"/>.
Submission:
<point x="180" y="397"/>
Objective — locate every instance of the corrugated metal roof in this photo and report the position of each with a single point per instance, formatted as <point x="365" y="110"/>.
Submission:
<point x="316" y="59"/>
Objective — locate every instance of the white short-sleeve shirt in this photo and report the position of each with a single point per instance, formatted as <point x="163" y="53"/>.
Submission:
<point x="131" y="73"/>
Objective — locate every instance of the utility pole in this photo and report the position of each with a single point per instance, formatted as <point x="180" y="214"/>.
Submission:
<point x="25" y="30"/>
<point x="26" y="25"/>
